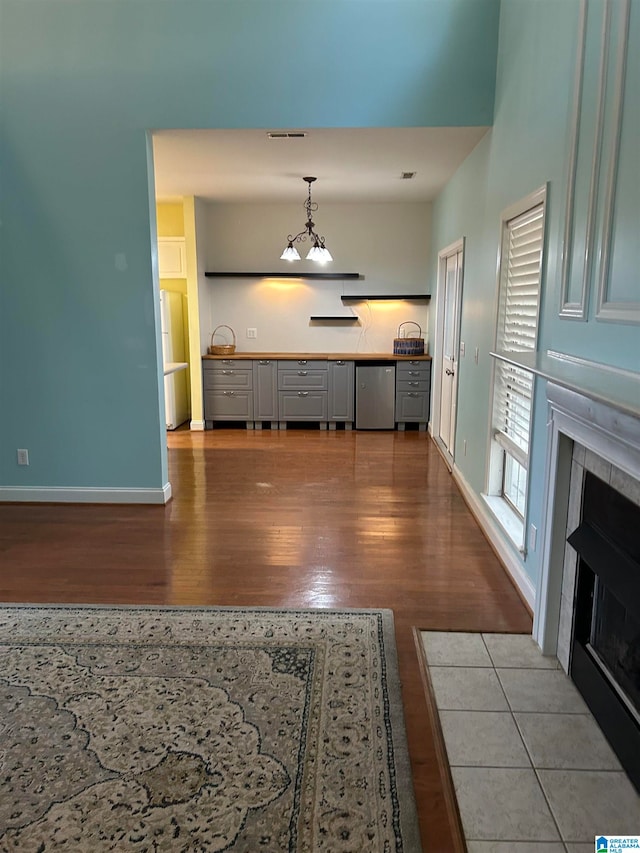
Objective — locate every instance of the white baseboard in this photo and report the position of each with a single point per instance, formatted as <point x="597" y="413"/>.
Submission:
<point x="196" y="426"/>
<point x="491" y="530"/>
<point x="72" y="494"/>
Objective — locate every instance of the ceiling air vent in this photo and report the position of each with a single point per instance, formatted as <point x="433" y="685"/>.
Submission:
<point x="286" y="134"/>
<point x="407" y="176"/>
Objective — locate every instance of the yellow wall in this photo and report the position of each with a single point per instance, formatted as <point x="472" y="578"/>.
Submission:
<point x="170" y="219"/>
<point x="177" y="285"/>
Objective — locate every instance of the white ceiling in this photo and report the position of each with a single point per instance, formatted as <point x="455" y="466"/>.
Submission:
<point x="354" y="164"/>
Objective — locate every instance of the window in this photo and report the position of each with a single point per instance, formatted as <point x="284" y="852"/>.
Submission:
<point x="516" y="332"/>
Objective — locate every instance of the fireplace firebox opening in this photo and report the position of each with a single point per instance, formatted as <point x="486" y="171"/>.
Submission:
<point x="605" y="648"/>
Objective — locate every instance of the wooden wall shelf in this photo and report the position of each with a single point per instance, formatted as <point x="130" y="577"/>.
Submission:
<point x="339" y="318"/>
<point x="363" y="297"/>
<point x="335" y="276"/>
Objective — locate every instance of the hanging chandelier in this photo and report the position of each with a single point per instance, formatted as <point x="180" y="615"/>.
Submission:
<point x="318" y="251"/>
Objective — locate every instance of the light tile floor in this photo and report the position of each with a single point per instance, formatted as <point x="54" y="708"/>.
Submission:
<point x="531" y="769"/>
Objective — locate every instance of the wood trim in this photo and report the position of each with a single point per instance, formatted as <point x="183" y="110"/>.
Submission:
<point x="510" y="563"/>
<point x="620" y="312"/>
<point x="448" y="789"/>
<point x="574" y="310"/>
<point x="73" y="494"/>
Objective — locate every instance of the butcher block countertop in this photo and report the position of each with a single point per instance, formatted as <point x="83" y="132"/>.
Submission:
<point x="319" y="356"/>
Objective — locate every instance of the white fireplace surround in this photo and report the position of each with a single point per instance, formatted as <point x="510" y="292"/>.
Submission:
<point x="610" y="437"/>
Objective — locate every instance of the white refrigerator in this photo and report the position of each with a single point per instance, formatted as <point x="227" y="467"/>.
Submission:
<point x="173" y="355"/>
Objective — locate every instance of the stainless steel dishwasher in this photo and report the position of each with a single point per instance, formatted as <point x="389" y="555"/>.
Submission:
<point x="375" y="395"/>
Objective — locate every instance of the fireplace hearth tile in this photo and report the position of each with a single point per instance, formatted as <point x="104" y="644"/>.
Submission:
<point x="517" y="650"/>
<point x="502" y="804"/>
<point x="544" y="691"/>
<point x="587" y="803"/>
<point x="483" y="739"/>
<point x="460" y="688"/>
<point x="446" y="648"/>
<point x="566" y="741"/>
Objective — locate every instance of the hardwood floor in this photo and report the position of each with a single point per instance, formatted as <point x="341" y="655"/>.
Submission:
<point x="298" y="518"/>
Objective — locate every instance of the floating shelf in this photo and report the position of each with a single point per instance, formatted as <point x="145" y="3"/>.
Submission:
<point x="364" y="297"/>
<point x="340" y="318"/>
<point x="336" y="276"/>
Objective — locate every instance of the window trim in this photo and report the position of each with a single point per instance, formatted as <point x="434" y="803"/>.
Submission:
<point x="510" y="521"/>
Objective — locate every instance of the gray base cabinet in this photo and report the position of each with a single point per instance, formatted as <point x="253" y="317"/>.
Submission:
<point x="413" y="393"/>
<point x="341" y="393"/>
<point x="303" y="405"/>
<point x="315" y="390"/>
<point x="265" y="391"/>
<point x="228" y="391"/>
<point x="302" y="391"/>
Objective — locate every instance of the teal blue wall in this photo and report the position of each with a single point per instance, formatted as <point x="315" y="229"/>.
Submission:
<point x="528" y="147"/>
<point x="82" y="81"/>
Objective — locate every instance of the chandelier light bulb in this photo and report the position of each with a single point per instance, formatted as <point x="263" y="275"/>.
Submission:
<point x="290" y="254"/>
<point x="318" y="251"/>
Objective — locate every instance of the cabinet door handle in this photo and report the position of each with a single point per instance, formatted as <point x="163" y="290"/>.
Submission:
<point x="264" y="362"/>
<point x="303" y="393"/>
<point x="303" y="373"/>
<point x="229" y="393"/>
<point x="414" y="373"/>
<point x="302" y="361"/>
<point x="227" y="372"/>
<point x="413" y="394"/>
<point x="227" y="361"/>
<point x="414" y="383"/>
<point x="339" y="361"/>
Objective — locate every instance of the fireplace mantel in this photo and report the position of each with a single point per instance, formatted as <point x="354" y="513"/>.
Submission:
<point x="611" y="386"/>
<point x="604" y="424"/>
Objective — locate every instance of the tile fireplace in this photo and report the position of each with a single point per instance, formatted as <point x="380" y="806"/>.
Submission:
<point x="588" y="605"/>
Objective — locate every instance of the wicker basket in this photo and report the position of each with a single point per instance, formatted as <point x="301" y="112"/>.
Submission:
<point x="409" y="345"/>
<point x="222" y="349"/>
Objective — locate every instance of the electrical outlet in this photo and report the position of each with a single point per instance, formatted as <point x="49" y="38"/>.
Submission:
<point x="533" y="535"/>
<point x="23" y="457"/>
<point x="461" y="349"/>
<point x="252" y="333"/>
<point x="477" y="355"/>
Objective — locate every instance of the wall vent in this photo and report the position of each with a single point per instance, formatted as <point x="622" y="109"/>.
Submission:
<point x="286" y="134"/>
<point x="407" y="176"/>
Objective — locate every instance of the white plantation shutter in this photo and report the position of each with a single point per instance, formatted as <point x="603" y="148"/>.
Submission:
<point x="518" y="329"/>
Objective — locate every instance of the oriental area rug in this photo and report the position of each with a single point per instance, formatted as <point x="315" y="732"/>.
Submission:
<point x="195" y="729"/>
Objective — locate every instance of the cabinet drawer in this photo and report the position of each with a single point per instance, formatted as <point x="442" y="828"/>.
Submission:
<point x="413" y="370"/>
<point x="228" y="405"/>
<point x="412" y="406"/>
<point x="302" y="405"/>
<point x="228" y="377"/>
<point x="413" y="384"/>
<point x="306" y="364"/>
<point x="220" y="363"/>
<point x="302" y="379"/>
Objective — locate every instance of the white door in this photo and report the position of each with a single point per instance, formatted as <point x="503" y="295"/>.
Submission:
<point x="450" y="346"/>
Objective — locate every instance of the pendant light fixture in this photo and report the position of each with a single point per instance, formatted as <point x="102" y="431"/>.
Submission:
<point x="318" y="251"/>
